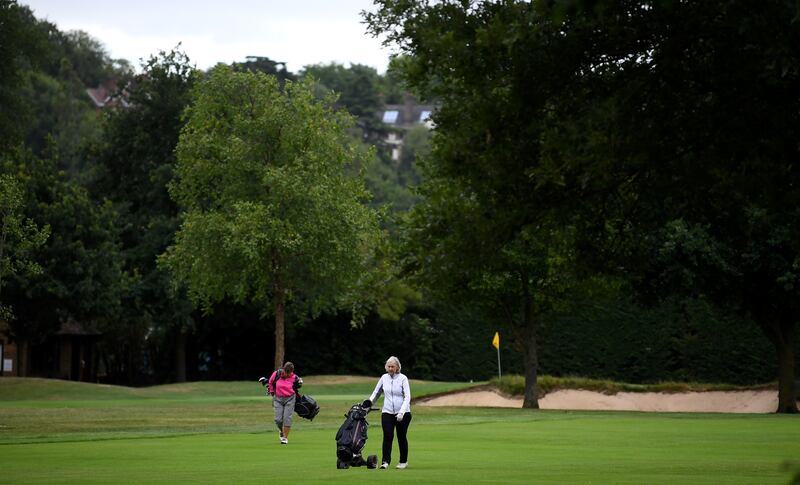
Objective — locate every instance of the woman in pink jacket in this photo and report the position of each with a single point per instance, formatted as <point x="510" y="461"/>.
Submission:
<point x="283" y="385"/>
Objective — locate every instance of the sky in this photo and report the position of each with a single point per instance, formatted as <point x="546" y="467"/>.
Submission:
<point x="297" y="32"/>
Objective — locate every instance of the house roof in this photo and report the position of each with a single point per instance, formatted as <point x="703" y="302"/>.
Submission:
<point x="106" y="94"/>
<point x="408" y="114"/>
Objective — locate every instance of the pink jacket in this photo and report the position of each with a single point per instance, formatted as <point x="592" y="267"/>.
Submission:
<point x="285" y="385"/>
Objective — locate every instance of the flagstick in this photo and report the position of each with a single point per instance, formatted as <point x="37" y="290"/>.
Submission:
<point x="499" y="371"/>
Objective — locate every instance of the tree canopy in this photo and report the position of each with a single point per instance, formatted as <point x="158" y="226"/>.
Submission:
<point x="270" y="214"/>
<point x="662" y="135"/>
<point x="131" y="168"/>
<point x="19" y="236"/>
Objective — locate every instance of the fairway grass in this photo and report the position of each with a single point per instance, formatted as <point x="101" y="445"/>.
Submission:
<point x="222" y="433"/>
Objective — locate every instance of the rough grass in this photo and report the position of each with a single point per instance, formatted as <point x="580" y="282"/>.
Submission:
<point x="34" y="410"/>
<point x="514" y="385"/>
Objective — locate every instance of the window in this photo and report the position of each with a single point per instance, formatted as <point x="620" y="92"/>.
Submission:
<point x="424" y="116"/>
<point x="390" y="117"/>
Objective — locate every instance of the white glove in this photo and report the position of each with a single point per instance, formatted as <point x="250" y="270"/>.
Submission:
<point x="400" y="416"/>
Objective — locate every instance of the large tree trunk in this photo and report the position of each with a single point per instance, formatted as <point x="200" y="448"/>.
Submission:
<point x="280" y="330"/>
<point x="531" y="398"/>
<point x="180" y="355"/>
<point x="784" y="345"/>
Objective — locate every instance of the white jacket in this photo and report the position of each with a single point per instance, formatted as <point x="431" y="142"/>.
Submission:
<point x="396" y="393"/>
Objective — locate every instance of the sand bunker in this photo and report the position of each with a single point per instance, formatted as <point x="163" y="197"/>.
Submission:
<point x="690" y="402"/>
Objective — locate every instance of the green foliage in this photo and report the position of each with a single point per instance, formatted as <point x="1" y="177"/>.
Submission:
<point x="605" y="335"/>
<point x="63" y="119"/>
<point x="357" y="89"/>
<point x="575" y="138"/>
<point x="710" y="195"/>
<point x="391" y="191"/>
<point x="460" y="338"/>
<point x="362" y="92"/>
<point x="650" y="136"/>
<point x="464" y="250"/>
<point x="485" y="230"/>
<point x="81" y="277"/>
<point x="393" y="86"/>
<point x="270" y="212"/>
<point x="19" y="237"/>
<point x="87" y="57"/>
<point x="81" y="280"/>
<point x="267" y="66"/>
<point x="21" y="46"/>
<point x="416" y="146"/>
<point x="52" y="70"/>
<point x="131" y="168"/>
<point x="393" y="304"/>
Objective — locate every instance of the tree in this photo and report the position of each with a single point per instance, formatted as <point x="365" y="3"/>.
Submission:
<point x="270" y="215"/>
<point x="81" y="275"/>
<point x="45" y="81"/>
<point x="88" y="57"/>
<point x="18" y="237"/>
<point x="134" y="165"/>
<point x="21" y="46"/>
<point x="63" y="116"/>
<point x="663" y="133"/>
<point x="358" y="90"/>
<point x="482" y="233"/>
<point x="684" y="139"/>
<point x="416" y="146"/>
<point x="45" y="121"/>
<point x="462" y="250"/>
<point x="392" y="86"/>
<point x="267" y="66"/>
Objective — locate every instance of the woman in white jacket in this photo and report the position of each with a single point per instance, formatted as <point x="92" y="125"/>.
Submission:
<point x="396" y="411"/>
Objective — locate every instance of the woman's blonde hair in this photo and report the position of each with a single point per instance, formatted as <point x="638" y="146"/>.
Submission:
<point x="392" y="360"/>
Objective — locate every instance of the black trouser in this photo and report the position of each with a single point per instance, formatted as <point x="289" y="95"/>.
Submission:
<point x="389" y="424"/>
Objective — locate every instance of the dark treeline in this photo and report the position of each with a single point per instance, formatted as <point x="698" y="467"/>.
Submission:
<point x="617" y="340"/>
<point x="537" y="207"/>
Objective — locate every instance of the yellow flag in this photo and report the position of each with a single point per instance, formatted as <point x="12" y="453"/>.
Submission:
<point x="496" y="340"/>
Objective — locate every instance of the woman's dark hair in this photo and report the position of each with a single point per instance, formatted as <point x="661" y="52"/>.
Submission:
<point x="288" y="367"/>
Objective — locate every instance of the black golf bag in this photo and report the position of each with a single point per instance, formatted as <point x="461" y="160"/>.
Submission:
<point x="305" y="406"/>
<point x="351" y="438"/>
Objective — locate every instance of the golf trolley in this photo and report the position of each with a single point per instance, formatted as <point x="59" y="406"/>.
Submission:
<point x="351" y="438"/>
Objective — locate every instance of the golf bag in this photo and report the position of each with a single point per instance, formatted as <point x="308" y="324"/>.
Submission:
<point x="351" y="438"/>
<point x="306" y="407"/>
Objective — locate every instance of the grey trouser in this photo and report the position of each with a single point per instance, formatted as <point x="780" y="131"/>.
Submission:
<point x="284" y="407"/>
